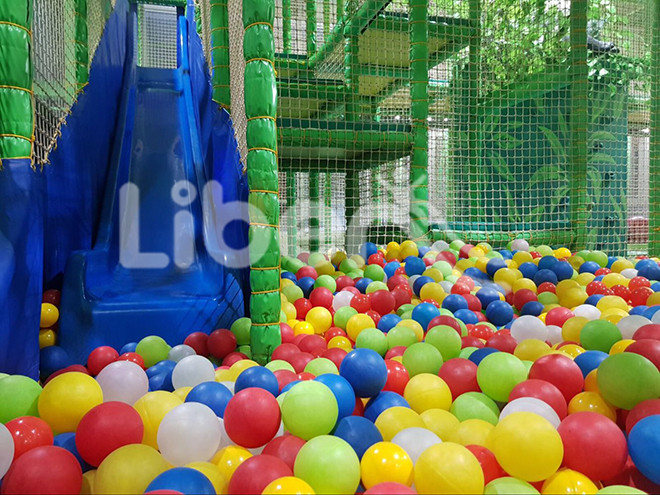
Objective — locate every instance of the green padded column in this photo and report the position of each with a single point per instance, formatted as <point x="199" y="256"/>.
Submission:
<point x="419" y="108"/>
<point x="286" y="25"/>
<point x="352" y="113"/>
<point x="579" y="77"/>
<point x="220" y="52"/>
<point x="292" y="233"/>
<point x="16" y="102"/>
<point x="314" y="220"/>
<point x="260" y="111"/>
<point x="654" y="172"/>
<point x="474" y="142"/>
<point x="82" y="48"/>
<point x="311" y="27"/>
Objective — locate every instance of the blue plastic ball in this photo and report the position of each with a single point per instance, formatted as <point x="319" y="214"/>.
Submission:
<point x="528" y="269"/>
<point x="499" y="313"/>
<point x="423" y="313"/>
<point x="382" y="401"/>
<point x="655" y="286"/>
<point x="644" y="447"/>
<point x="289" y="386"/>
<point x="367" y="249"/>
<point x="164" y="366"/>
<point x="593" y="299"/>
<point x="506" y="254"/>
<point x="477" y="356"/>
<point x="68" y="442"/>
<point x="545" y="276"/>
<point x="414" y="266"/>
<point x="388" y="322"/>
<point x="161" y="381"/>
<point x="547" y="262"/>
<point x="589" y="267"/>
<point x="362" y="284"/>
<point x="487" y="295"/>
<point x="257" y="377"/>
<point x="533" y="308"/>
<point x="182" y="479"/>
<point x="307" y="285"/>
<point x="563" y="270"/>
<point x="649" y="312"/>
<point x="212" y="394"/>
<point x="53" y="358"/>
<point x="358" y="432"/>
<point x="421" y="282"/>
<point x="365" y="370"/>
<point x="638" y="310"/>
<point x="651" y="271"/>
<point x="342" y="391"/>
<point x="589" y="361"/>
<point x="475" y="274"/>
<point x="494" y="265"/>
<point x="454" y="302"/>
<point x="466" y="316"/>
<point x="130" y="347"/>
<point x="611" y="260"/>
<point x="390" y="268"/>
<point x="599" y="278"/>
<point x="289" y="276"/>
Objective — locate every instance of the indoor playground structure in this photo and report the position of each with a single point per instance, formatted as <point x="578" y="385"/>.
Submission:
<point x="330" y="246"/>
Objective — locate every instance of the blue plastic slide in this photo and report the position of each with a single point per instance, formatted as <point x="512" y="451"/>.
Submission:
<point x="169" y="254"/>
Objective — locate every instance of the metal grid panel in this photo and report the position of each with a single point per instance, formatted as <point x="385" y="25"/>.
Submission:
<point x="158" y="36"/>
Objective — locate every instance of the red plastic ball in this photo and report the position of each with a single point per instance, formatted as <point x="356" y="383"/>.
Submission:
<point x="359" y="407"/>
<point x="396" y="280"/>
<point x="252" y="417"/>
<point x="397" y="377"/>
<point x="302" y="306"/>
<point x="105" y="428"/>
<point x="465" y="250"/>
<point x="401" y="297"/>
<point x="285" y="351"/>
<point x="285" y="447"/>
<point x="474" y="304"/>
<point x="434" y="302"/>
<point x="648" y="331"/>
<point x="336" y="355"/>
<point x="221" y="342"/>
<point x="300" y="360"/>
<point x="400" y="271"/>
<point x="561" y="371"/>
<point x="46" y="470"/>
<point x="52" y="296"/>
<point x="447" y="321"/>
<point x="395" y="351"/>
<point x="595" y="287"/>
<point x="376" y="259"/>
<point x="471" y="342"/>
<point x="100" y="357"/>
<point x="645" y="408"/>
<point x="542" y="390"/>
<point x="321" y="296"/>
<point x="461" y="289"/>
<point x="361" y="303"/>
<point x="489" y="465"/>
<point x="233" y="357"/>
<point x="558" y="316"/>
<point x="502" y="341"/>
<point x="333" y="332"/>
<point x="375" y="317"/>
<point x="382" y="302"/>
<point x="390" y="488"/>
<point x="481" y="332"/>
<point x="28" y="433"/>
<point x="255" y="473"/>
<point x="314" y="344"/>
<point x="535" y="254"/>
<point x="446" y="256"/>
<point x="622" y="291"/>
<point x="298" y="339"/>
<point x="464" y="279"/>
<point x="133" y="357"/>
<point x="307" y="271"/>
<point x="638" y="282"/>
<point x="69" y="369"/>
<point x="522" y="297"/>
<point x="287" y="333"/>
<point x="284" y="377"/>
<point x="304" y="257"/>
<point x="199" y="342"/>
<point x="648" y="348"/>
<point x="343" y="282"/>
<point x="304" y="375"/>
<point x="460" y="375"/>
<point x="546" y="287"/>
<point x="602" y="271"/>
<point x="639" y="296"/>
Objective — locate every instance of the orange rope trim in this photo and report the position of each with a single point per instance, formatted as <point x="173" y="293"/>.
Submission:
<point x="266" y="191"/>
<point x="7" y="86"/>
<point x="264" y="324"/>
<point x="257" y="224"/>
<point x="265" y="291"/>
<point x="30" y="139"/>
<point x="17" y="25"/>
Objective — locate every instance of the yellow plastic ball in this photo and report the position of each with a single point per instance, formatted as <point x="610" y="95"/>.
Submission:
<point x="392" y="254"/>
<point x="576" y="261"/>
<point x="182" y="392"/>
<point x="359" y="260"/>
<point x="593" y="402"/>
<point x="612" y="279"/>
<point x="612" y="302"/>
<point x="481" y="264"/>
<point x="320" y="318"/>
<point x="613" y="315"/>
<point x="426" y="391"/>
<point x="485" y="247"/>
<point x="224" y="375"/>
<point x="337" y="257"/>
<point x="340" y="342"/>
<point x="46" y="338"/>
<point x="287" y="485"/>
<point x="591" y="382"/>
<point x="568" y="481"/>
<point x="398" y="359"/>
<point x="434" y="273"/>
<point x="619" y="265"/>
<point x="324" y="268"/>
<point x="433" y="291"/>
<point x="531" y="350"/>
<point x="448" y="468"/>
<point x="527" y="446"/>
<point x="240" y="366"/>
<point x="472" y="432"/>
<point x="152" y="408"/>
<point x="464" y="264"/>
<point x="408" y="248"/>
<point x="303" y="327"/>
<point x="386" y="461"/>
<point x="476" y="252"/>
<point x="289" y="310"/>
<point x="522" y="257"/>
<point x="213" y="473"/>
<point x="506" y="277"/>
<point x="87" y="487"/>
<point x="129" y="470"/>
<point x="573" y="298"/>
<point x="394" y="419"/>
<point x="357" y="323"/>
<point x="285" y="282"/>
<point x="564" y="286"/>
<point x="441" y="422"/>
<point x="562" y="253"/>
<point x="572" y="327"/>
<point x="585" y="278"/>
<point x="524" y="283"/>
<point x="654" y="299"/>
<point x="571" y="350"/>
<point x="620" y="346"/>
<point x="543" y="315"/>
<point x="67" y="398"/>
<point x="415" y="326"/>
<point x="229" y="458"/>
<point x="49" y="315"/>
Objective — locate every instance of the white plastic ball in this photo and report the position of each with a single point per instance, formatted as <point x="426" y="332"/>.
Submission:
<point x="446" y="286"/>
<point x="412" y="280"/>
<point x="587" y="311"/>
<point x="191" y="371"/>
<point x="629" y="273"/>
<point x="440" y="246"/>
<point x="123" y="381"/>
<point x="520" y="245"/>
<point x="230" y="386"/>
<point x="415" y="440"/>
<point x="630" y="324"/>
<point x="343" y="298"/>
<point x="554" y="334"/>
<point x="178" y="352"/>
<point x="528" y="327"/>
<point x="532" y="405"/>
<point x="6" y="450"/>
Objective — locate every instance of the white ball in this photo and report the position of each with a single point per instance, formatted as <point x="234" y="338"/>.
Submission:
<point x="415" y="440"/>
<point x="446" y="286"/>
<point x="123" y="381"/>
<point x="629" y="273"/>
<point x="587" y="311"/>
<point x="532" y="405"/>
<point x="440" y="246"/>
<point x="6" y="450"/>
<point x="520" y="245"/>
<point x="225" y="441"/>
<point x="230" y="386"/>
<point x="554" y="334"/>
<point x="630" y="324"/>
<point x="528" y="327"/>
<point x="656" y="317"/>
<point x="343" y="298"/>
<point x="191" y="371"/>
<point x="178" y="352"/>
<point x="189" y="433"/>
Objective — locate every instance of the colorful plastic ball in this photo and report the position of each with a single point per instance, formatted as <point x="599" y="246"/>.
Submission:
<point x="359" y="432"/>
<point x="361" y="285"/>
<point x="446" y="340"/>
<point x="448" y="468"/>
<point x="644" y="445"/>
<point x="460" y="375"/>
<point x="191" y="371"/>
<point x="509" y="486"/>
<point x="257" y="377"/>
<point x="342" y="390"/>
<point x="543" y="390"/>
<point x="568" y="481"/>
<point x="229" y="458"/>
<point x="642" y="410"/>
<point x="527" y="446"/>
<point x="53" y="358"/>
<point x="599" y="335"/>
<point x="123" y="381"/>
<point x="288" y="485"/>
<point x="397" y="377"/>
<point x="49" y="315"/>
<point x="648" y="331"/>
<point x="401" y="336"/>
<point x="454" y="302"/>
<point x="381" y="402"/>
<point x="533" y="405"/>
<point x="372" y="338"/>
<point x="394" y="419"/>
<point x="129" y="469"/>
<point x="427" y="391"/>
<point x="589" y="361"/>
<point x="255" y="473"/>
<point x="415" y="441"/>
<point x="99" y="358"/>
<point x="591" y="402"/>
<point x="152" y="349"/>
<point x="309" y="409"/>
<point x="499" y="373"/>
<point x="285" y="447"/>
<point x="479" y="354"/>
<point x="152" y="408"/>
<point x="183" y="480"/>
<point x="561" y="371"/>
<point x="499" y="313"/>
<point x="386" y="461"/>
<point x="221" y="342"/>
<point x="471" y="432"/>
<point x="19" y="396"/>
<point x="212" y="394"/>
<point x="488" y="462"/>
<point x="365" y="370"/>
<point x="475" y="405"/>
<point x="252" y="417"/>
<point x="27" y="433"/>
<point x="329" y="465"/>
<point x="626" y="379"/>
<point x="422" y="358"/>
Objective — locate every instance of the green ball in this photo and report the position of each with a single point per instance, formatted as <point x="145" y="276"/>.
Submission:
<point x="544" y="250"/>
<point x="374" y="272"/>
<point x="296" y="265"/>
<point x="3" y="375"/>
<point x="321" y="366"/>
<point x="372" y="338"/>
<point x="342" y="315"/>
<point x="348" y="265"/>
<point x="584" y="254"/>
<point x="405" y="308"/>
<point x="293" y="293"/>
<point x="326" y="281"/>
<point x="309" y="410"/>
<point x="401" y="335"/>
<point x="241" y="330"/>
<point x="599" y="335"/>
<point x="466" y="352"/>
<point x="456" y="244"/>
<point x="446" y="340"/>
<point x="406" y="315"/>
<point x="444" y="267"/>
<point x="279" y="364"/>
<point x="619" y="490"/>
<point x="498" y="373"/>
<point x="464" y="331"/>
<point x="626" y="379"/>
<point x="329" y="465"/>
<point x="19" y="396"/>
<point x="245" y="349"/>
<point x="316" y="258"/>
<point x="506" y="485"/>
<point x="546" y="298"/>
<point x="374" y="286"/>
<point x="599" y="257"/>
<point x="422" y="358"/>
<point x="355" y="274"/>
<point x="153" y="349"/>
<point x="475" y="405"/>
<point x="451" y="278"/>
<point x="280" y="398"/>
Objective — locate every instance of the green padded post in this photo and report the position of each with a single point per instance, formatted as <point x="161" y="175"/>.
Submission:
<point x="352" y="113"/>
<point x="82" y="48"/>
<point x="286" y="26"/>
<point x="314" y="221"/>
<point x="311" y="27"/>
<point x="654" y="166"/>
<point x="327" y="195"/>
<point x="260" y="111"/>
<point x="16" y="103"/>
<point x="326" y="19"/>
<point x="292" y="234"/>
<point x="579" y="79"/>
<point x="364" y="15"/>
<point x="419" y="96"/>
<point x="220" y="52"/>
<point x="475" y="182"/>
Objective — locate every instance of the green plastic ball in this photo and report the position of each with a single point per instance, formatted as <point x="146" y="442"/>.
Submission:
<point x="348" y="265"/>
<point x="626" y="379"/>
<point x="309" y="410"/>
<point x="19" y="396"/>
<point x="292" y="293"/>
<point x="153" y="349"/>
<point x="475" y="405"/>
<point x="422" y="358"/>
<point x="599" y="335"/>
<point x="315" y="259"/>
<point x="498" y="373"/>
<point x="372" y="338"/>
<point x="329" y="465"/>
<point x="546" y="298"/>
<point x="446" y="340"/>
<point x="241" y="330"/>
<point x="599" y="257"/>
<point x="374" y="272"/>
<point x="456" y="244"/>
<point x="326" y="281"/>
<point x="321" y="366"/>
<point x="507" y="485"/>
<point x="401" y="335"/>
<point x="466" y="352"/>
<point x="279" y="364"/>
<point x="375" y="286"/>
<point x="342" y="315"/>
<point x="245" y="349"/>
<point x="404" y="308"/>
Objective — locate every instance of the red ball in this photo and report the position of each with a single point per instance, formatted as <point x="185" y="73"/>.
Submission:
<point x="593" y="445"/>
<point x="307" y="271"/>
<point x="602" y="271"/>
<point x="285" y="351"/>
<point x="52" y="296"/>
<point x="464" y="279"/>
<point x="304" y="375"/>
<point x="397" y="377"/>
<point x="252" y="417"/>
<point x="639" y="296"/>
<point x="558" y="316"/>
<point x="546" y="287"/>
<point x="285" y="447"/>
<point x="446" y="256"/>
<point x="72" y="368"/>
<point x="595" y="287"/>
<point x="376" y="259"/>
<point x="645" y="408"/>
<point x="433" y="301"/>
<point x="199" y="342"/>
<point x="474" y="304"/>
<point x="100" y="357"/>
<point x="382" y="302"/>
<point x="336" y="355"/>
<point x="221" y="342"/>
<point x="622" y="291"/>
<point x="471" y="342"/>
<point x="255" y="473"/>
<point x="133" y="357"/>
<point x="28" y="433"/>
<point x="298" y="339"/>
<point x="105" y="428"/>
<point x="375" y="317"/>
<point x="561" y="371"/>
<point x="638" y="282"/>
<point x="488" y="462"/>
<point x="522" y="297"/>
<point x="648" y="348"/>
<point x="287" y="333"/>
<point x="465" y="250"/>
<point x="401" y="297"/>
<point x="304" y="257"/>
<point x="284" y="377"/>
<point x="502" y="341"/>
<point x="390" y="488"/>
<point x="333" y="332"/>
<point x="46" y="470"/>
<point x="302" y="306"/>
<point x="233" y="357"/>
<point x="480" y="331"/>
<point x="314" y="344"/>
<point x="447" y="321"/>
<point x="648" y="331"/>
<point x="361" y="303"/>
<point x="396" y="280"/>
<point x="542" y="390"/>
<point x="460" y="375"/>
<point x="395" y="351"/>
<point x="459" y="288"/>
<point x="300" y="360"/>
<point x="321" y="296"/>
<point x="352" y="290"/>
<point x="343" y="282"/>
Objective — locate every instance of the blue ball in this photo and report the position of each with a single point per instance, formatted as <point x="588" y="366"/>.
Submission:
<point x="589" y="361"/>
<point x="421" y="282"/>
<point x="593" y="300"/>
<point x="388" y="322"/>
<point x="506" y="254"/>
<point x="358" y="432"/>
<point x="423" y="313"/>
<point x="164" y="366"/>
<point x="307" y="285"/>
<point x="589" y="267"/>
<point x="161" y="381"/>
<point x="649" y="312"/>
<point x="382" y="401"/>
<point x="487" y="295"/>
<point x="545" y="276"/>
<point x="611" y="260"/>
<point x="655" y="286"/>
<point x="494" y="265"/>
<point x="423" y="250"/>
<point x="212" y="394"/>
<point x="533" y="308"/>
<point x="53" y="358"/>
<point x="289" y="276"/>
<point x="638" y="310"/>
<point x="547" y="262"/>
<point x="644" y="263"/>
<point x="362" y="284"/>
<point x="466" y="316"/>
<point x="68" y="442"/>
<point x="477" y="356"/>
<point x="185" y="480"/>
<point x="257" y="377"/>
<point x="599" y="278"/>
<point x="563" y="270"/>
<point x="289" y="386"/>
<point x="644" y="447"/>
<point x="390" y="268"/>
<point x="367" y="249"/>
<point x="342" y="391"/>
<point x="475" y="274"/>
<point x="528" y="269"/>
<point x="454" y="302"/>
<point x="499" y="313"/>
<point x="130" y="347"/>
<point x="365" y="370"/>
<point x="650" y="271"/>
<point x="414" y="266"/>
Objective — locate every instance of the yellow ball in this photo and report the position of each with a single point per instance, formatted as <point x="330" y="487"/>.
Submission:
<point x="288" y="485"/>
<point x="224" y="375"/>
<point x="386" y="461"/>
<point x="654" y="299"/>
<point x="506" y="277"/>
<point x="481" y="264"/>
<point x="87" y="487"/>
<point x="229" y="458"/>
<point x="359" y="260"/>
<point x="448" y="468"/>
<point x="49" y="315"/>
<point x="67" y="398"/>
<point x="337" y="257"/>
<point x="591" y="382"/>
<point x="240" y="366"/>
<point x="434" y="273"/>
<point x="571" y="350"/>
<point x="391" y="421"/>
<point x="593" y="402"/>
<point x="182" y="392"/>
<point x="612" y="279"/>
<point x="464" y="264"/>
<point x="564" y="286"/>
<point x="619" y="265"/>
<point x="527" y="446"/>
<point x="441" y="422"/>
<point x="531" y="350"/>
<point x="573" y="298"/>
<point x="612" y="302"/>
<point x="415" y="326"/>
<point x="576" y="261"/>
<point x="472" y="432"/>
<point x="357" y="323"/>
<point x="426" y="391"/>
<point x="152" y="408"/>
<point x="324" y="268"/>
<point x="129" y="470"/>
<point x="524" y="283"/>
<point x="408" y="248"/>
<point x="585" y="278"/>
<point x="572" y="327"/>
<point x="303" y="327"/>
<point x="213" y="473"/>
<point x="289" y="310"/>
<point x="562" y="253"/>
<point x="613" y="315"/>
<point x="392" y="254"/>
<point x="320" y="318"/>
<point x="285" y="282"/>
<point x="568" y="481"/>
<point x="620" y="346"/>
<point x="433" y="291"/>
<point x="476" y="252"/>
<point x="522" y="257"/>
<point x="46" y="338"/>
<point x="340" y="342"/>
<point x="485" y="247"/>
